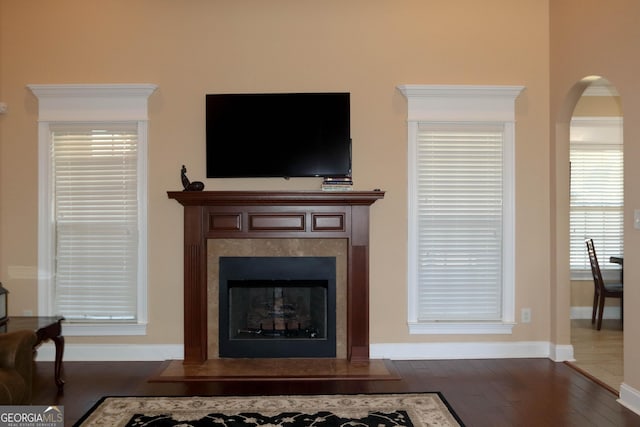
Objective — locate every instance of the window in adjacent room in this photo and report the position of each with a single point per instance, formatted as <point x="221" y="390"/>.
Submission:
<point x="461" y="237"/>
<point x="597" y="194"/>
<point x="92" y="227"/>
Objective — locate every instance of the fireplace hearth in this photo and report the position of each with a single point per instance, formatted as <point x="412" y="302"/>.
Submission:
<point x="277" y="307"/>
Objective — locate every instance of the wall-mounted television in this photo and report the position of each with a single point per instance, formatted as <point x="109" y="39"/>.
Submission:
<point x="278" y="135"/>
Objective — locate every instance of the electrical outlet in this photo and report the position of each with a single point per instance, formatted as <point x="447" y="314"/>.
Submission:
<point x="27" y="312"/>
<point x="525" y="315"/>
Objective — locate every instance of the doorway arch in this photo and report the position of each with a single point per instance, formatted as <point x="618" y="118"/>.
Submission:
<point x="591" y="86"/>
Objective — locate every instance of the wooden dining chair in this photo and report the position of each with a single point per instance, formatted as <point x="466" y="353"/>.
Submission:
<point x="602" y="290"/>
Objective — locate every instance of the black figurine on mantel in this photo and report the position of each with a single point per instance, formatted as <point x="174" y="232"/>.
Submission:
<point x="189" y="186"/>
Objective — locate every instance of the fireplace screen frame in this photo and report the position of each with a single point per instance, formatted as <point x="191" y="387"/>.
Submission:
<point x="277" y="270"/>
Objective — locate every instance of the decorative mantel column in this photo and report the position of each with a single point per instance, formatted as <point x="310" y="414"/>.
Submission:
<point x="267" y="215"/>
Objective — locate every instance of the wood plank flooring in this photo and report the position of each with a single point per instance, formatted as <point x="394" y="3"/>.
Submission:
<point x="599" y="353"/>
<point x="491" y="393"/>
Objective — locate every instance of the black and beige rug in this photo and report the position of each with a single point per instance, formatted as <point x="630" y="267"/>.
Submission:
<point x="376" y="410"/>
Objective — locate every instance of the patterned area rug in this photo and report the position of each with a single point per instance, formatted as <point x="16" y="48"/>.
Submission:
<point x="376" y="410"/>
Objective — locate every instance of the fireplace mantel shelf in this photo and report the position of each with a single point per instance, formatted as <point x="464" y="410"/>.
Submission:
<point x="281" y="215"/>
<point x="298" y="198"/>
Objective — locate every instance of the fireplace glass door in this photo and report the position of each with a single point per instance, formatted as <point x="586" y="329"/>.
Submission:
<point x="278" y="310"/>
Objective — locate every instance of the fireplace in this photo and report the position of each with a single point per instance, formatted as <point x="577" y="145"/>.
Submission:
<point x="277" y="307"/>
<point x="282" y="216"/>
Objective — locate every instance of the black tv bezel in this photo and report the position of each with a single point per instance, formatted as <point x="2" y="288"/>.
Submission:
<point x="340" y="166"/>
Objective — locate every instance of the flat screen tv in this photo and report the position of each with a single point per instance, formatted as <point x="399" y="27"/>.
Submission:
<point x="278" y="135"/>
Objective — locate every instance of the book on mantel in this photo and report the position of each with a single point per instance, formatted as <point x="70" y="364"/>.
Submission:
<point x="337" y="184"/>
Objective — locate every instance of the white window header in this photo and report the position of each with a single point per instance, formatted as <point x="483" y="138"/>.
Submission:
<point x="109" y="102"/>
<point x="451" y="103"/>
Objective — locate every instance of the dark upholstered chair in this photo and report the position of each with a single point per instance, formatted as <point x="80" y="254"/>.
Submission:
<point x="16" y="367"/>
<point x="602" y="290"/>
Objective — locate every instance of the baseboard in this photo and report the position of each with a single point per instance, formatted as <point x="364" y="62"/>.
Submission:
<point x="610" y="312"/>
<point x="474" y="350"/>
<point x="112" y="352"/>
<point x="394" y="351"/>
<point x="630" y="398"/>
<point x="561" y="353"/>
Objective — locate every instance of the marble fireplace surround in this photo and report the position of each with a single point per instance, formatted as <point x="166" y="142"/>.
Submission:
<point x="214" y="220"/>
<point x="277" y="248"/>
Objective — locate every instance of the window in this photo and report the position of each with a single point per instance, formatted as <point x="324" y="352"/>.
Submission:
<point x="597" y="194"/>
<point x="95" y="212"/>
<point x="92" y="233"/>
<point x="461" y="147"/>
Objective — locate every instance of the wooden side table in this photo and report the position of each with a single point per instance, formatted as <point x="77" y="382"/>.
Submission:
<point x="46" y="328"/>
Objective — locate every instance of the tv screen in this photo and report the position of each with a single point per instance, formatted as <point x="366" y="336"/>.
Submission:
<point x="278" y="135"/>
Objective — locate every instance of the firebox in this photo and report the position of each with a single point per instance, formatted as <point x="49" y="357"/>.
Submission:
<point x="277" y="307"/>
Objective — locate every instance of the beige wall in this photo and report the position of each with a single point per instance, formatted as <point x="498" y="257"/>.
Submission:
<point x="577" y="51"/>
<point x="598" y="106"/>
<point x="367" y="47"/>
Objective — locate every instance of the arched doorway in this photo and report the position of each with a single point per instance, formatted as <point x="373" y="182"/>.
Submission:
<point x="595" y="211"/>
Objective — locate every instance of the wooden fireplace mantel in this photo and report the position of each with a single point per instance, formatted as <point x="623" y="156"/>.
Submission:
<point x="275" y="214"/>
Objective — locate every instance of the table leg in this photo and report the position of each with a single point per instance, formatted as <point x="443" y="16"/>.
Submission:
<point x="59" y="343"/>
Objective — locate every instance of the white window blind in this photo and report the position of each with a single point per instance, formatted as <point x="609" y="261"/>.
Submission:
<point x="597" y="199"/>
<point x="460" y="222"/>
<point x="95" y="198"/>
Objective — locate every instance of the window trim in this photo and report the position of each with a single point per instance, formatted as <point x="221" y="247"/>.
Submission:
<point x="463" y="104"/>
<point x="78" y="104"/>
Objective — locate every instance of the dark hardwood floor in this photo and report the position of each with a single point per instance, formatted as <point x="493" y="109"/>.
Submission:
<point x="492" y="393"/>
